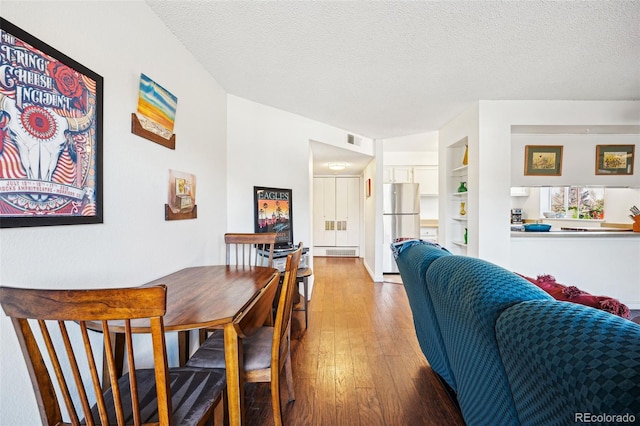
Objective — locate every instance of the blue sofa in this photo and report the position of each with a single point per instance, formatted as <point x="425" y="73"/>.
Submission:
<point x="510" y="352"/>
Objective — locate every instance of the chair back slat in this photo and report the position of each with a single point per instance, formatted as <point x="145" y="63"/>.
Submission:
<point x="250" y="249"/>
<point x="95" y="379"/>
<point x="78" y="307"/>
<point x="282" y="325"/>
<point x="75" y="371"/>
<point x="55" y="362"/>
<point x="253" y="316"/>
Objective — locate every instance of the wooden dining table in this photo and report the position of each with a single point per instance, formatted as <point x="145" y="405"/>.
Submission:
<point x="208" y="297"/>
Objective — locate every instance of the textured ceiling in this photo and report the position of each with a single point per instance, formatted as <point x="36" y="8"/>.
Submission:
<point x="386" y="69"/>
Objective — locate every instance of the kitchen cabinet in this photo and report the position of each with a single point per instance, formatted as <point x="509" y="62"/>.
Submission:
<point x="336" y="214"/>
<point x="398" y="174"/>
<point x="427" y="177"/>
<point x="519" y="191"/>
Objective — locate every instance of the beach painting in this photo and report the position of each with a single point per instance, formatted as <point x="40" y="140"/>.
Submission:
<point x="156" y="107"/>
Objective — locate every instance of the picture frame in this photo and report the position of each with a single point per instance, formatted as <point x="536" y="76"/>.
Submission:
<point x="51" y="105"/>
<point x="155" y="117"/>
<point x="614" y="159"/>
<point x="367" y="188"/>
<point x="181" y="202"/>
<point x="273" y="212"/>
<point x="543" y="160"/>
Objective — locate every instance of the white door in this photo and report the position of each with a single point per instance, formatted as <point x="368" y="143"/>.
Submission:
<point x="336" y="211"/>
<point x="347" y="211"/>
<point x="324" y="211"/>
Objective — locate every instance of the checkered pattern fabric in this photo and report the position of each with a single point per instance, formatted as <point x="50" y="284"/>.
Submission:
<point x="468" y="296"/>
<point x="564" y="359"/>
<point x="413" y="262"/>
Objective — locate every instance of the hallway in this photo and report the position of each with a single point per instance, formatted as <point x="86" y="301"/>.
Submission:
<point x="359" y="362"/>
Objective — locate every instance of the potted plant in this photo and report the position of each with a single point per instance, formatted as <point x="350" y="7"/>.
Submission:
<point x="597" y="212"/>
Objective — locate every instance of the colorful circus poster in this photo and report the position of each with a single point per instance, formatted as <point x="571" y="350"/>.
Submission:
<point x="50" y="135"/>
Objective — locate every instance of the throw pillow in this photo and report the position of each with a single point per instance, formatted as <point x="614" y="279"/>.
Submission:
<point x="574" y="294"/>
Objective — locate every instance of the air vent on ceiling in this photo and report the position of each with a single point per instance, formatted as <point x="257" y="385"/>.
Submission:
<point x="353" y="139"/>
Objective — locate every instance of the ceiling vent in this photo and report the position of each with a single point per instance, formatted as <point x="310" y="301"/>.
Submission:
<point x="353" y="140"/>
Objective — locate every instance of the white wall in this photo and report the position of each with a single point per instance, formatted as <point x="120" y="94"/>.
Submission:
<point x="578" y="162"/>
<point x="372" y="228"/>
<point x="135" y="244"/>
<point x="494" y="160"/>
<point x="271" y="147"/>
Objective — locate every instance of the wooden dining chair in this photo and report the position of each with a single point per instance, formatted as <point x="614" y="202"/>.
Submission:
<point x="268" y="350"/>
<point x="157" y="395"/>
<point x="246" y="250"/>
<point x="250" y="249"/>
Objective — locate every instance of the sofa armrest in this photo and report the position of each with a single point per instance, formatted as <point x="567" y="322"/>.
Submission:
<point x="563" y="360"/>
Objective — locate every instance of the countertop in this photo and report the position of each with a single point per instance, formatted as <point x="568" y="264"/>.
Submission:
<point x="577" y="234"/>
<point x="429" y="223"/>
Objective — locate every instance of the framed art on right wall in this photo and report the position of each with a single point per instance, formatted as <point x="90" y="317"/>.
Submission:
<point x="614" y="159"/>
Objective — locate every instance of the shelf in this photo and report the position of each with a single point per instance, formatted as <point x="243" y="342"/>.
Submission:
<point x="460" y="243"/>
<point x="459" y="194"/>
<point x="459" y="218"/>
<point x="459" y="170"/>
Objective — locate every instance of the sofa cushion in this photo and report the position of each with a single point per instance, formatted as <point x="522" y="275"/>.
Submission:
<point x="468" y="296"/>
<point x="413" y="259"/>
<point x="565" y="358"/>
<point x="574" y="294"/>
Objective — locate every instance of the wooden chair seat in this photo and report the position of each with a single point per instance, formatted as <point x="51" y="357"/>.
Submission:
<point x="191" y="395"/>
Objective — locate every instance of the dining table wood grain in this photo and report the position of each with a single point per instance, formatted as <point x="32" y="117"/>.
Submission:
<point x="207" y="297"/>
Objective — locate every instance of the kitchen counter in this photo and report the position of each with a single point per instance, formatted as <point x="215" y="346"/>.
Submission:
<point x="428" y="223"/>
<point x="577" y="234"/>
<point x="601" y="263"/>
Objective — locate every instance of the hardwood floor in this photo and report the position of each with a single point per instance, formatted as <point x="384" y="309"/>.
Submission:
<point x="359" y="362"/>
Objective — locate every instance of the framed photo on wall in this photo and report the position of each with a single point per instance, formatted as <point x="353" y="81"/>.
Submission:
<point x="273" y="213"/>
<point x="543" y="160"/>
<point x="50" y="135"/>
<point x="614" y="159"/>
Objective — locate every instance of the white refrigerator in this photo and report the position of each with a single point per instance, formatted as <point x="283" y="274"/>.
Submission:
<point x="401" y="220"/>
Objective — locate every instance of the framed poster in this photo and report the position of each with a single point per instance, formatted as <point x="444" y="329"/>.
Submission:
<point x="614" y="159"/>
<point x="273" y="213"/>
<point x="543" y="160"/>
<point x="50" y="135"/>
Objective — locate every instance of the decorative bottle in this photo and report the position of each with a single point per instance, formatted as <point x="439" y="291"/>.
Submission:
<point x="465" y="159"/>
<point x="462" y="210"/>
<point x="465" y="235"/>
<point x="462" y="187"/>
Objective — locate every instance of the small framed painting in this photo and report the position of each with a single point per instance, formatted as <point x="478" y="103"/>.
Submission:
<point x="543" y="160"/>
<point x="614" y="159"/>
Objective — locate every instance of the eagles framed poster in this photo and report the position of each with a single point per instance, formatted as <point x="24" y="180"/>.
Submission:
<point x="273" y="213"/>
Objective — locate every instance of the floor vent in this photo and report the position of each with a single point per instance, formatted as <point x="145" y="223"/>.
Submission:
<point x="341" y="252"/>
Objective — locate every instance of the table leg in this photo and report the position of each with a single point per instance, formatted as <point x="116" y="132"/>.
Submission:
<point x="305" y="283"/>
<point x="235" y="375"/>
<point x="183" y="347"/>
